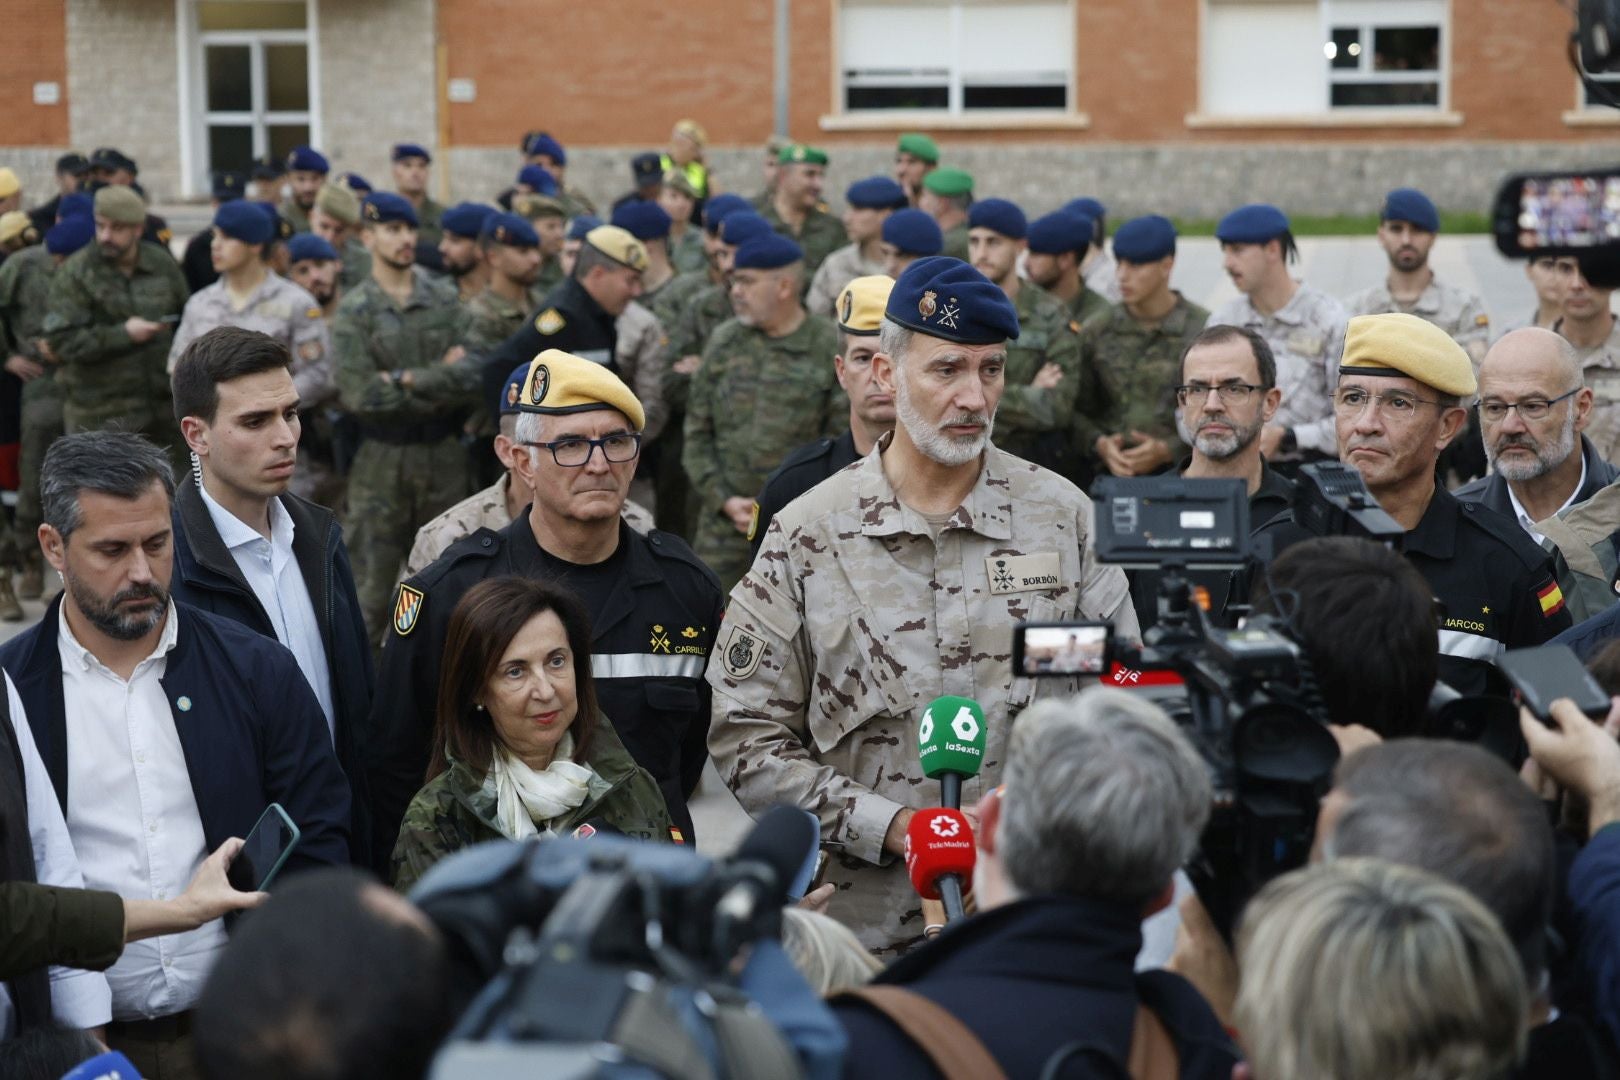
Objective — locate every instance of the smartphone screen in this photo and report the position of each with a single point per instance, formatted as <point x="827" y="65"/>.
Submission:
<point x="267" y="847"/>
<point x="1079" y="648"/>
<point x="1568" y="211"/>
<point x="1545" y="673"/>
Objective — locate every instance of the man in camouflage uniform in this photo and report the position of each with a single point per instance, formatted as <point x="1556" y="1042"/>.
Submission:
<point x="546" y="216"/>
<point x="1590" y="326"/>
<point x="335" y="218"/>
<point x="511" y="251"/>
<point x="109" y="321"/>
<point x="915" y="156"/>
<point x="1303" y="325"/>
<point x="649" y="223"/>
<point x="539" y="148"/>
<point x="766" y="385"/>
<point x="306" y="174"/>
<point x="921" y="557"/>
<point x="398" y="344"/>
<point x="1043" y="360"/>
<point x="459" y="252"/>
<point x="1131" y="355"/>
<point x="946" y="197"/>
<point x="1057" y="244"/>
<point x="795" y="210"/>
<point x="410" y="166"/>
<point x="870" y="202"/>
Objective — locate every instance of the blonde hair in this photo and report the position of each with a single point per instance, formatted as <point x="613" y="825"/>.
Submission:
<point x="1360" y="969"/>
<point x="825" y="951"/>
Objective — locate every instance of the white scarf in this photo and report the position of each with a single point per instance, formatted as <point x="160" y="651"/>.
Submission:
<point x="524" y="796"/>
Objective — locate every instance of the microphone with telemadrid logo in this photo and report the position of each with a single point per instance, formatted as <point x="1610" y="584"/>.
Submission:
<point x="939" y="856"/>
<point x="950" y="744"/>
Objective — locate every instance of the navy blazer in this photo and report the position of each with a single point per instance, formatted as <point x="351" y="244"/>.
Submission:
<point x="249" y="726"/>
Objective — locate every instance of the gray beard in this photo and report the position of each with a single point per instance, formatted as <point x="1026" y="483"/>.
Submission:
<point x="931" y="442"/>
<point x="1548" y="456"/>
<point x="1219" y="447"/>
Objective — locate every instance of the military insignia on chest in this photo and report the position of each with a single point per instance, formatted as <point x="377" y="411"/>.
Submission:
<point x="549" y="321"/>
<point x="407" y="609"/>
<point x="741" y="653"/>
<point x="660" y="638"/>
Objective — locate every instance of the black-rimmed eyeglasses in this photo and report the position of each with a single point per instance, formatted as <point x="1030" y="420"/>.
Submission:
<point x="574" y="453"/>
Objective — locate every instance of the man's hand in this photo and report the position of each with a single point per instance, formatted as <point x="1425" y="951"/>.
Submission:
<point x="141" y="330"/>
<point x="453" y="355"/>
<point x="818" y="899"/>
<point x="1202" y="958"/>
<point x="894" y="841"/>
<point x="24" y="368"/>
<point x="686" y="365"/>
<point x="211" y="894"/>
<point x="740" y="510"/>
<point x="1271" y="437"/>
<point x="1580" y="755"/>
<point x="43" y="348"/>
<point x="1048" y="377"/>
<point x="1147" y="455"/>
<point x="1111" y="448"/>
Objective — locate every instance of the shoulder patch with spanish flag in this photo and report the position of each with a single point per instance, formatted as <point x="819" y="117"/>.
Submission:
<point x="1552" y="599"/>
<point x="676" y="836"/>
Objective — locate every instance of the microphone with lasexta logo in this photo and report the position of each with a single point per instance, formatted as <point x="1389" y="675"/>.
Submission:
<point x="939" y="856"/>
<point x="950" y="744"/>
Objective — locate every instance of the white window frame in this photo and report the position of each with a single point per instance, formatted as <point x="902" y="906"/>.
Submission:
<point x="1398" y="17"/>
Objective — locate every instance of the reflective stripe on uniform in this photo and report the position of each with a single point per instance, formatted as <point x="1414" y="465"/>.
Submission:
<point x="1469" y="646"/>
<point x="646" y="666"/>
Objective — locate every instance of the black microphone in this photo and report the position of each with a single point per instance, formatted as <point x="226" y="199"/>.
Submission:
<point x="759" y="874"/>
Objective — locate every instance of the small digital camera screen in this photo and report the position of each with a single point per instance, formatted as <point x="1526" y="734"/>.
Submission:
<point x="1569" y="211"/>
<point x="1065" y="650"/>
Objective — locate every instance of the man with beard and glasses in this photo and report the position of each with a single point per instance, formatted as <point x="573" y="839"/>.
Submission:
<point x="896" y="581"/>
<point x="165" y="730"/>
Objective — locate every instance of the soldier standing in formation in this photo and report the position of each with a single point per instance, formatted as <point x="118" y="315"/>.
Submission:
<point x="870" y="203"/>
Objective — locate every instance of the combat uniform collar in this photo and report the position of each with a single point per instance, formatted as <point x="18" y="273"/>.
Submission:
<point x="1436" y="532"/>
<point x="1293" y="313"/>
<point x="421" y="290"/>
<point x="987" y="510"/>
<point x="1174" y="323"/>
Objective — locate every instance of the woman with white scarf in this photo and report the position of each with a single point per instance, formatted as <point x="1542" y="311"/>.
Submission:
<point x="520" y="748"/>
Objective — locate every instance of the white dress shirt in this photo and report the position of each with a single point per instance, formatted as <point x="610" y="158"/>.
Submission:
<point x="1524" y="519"/>
<point x="79" y="999"/>
<point x="273" y="575"/>
<point x="133" y="816"/>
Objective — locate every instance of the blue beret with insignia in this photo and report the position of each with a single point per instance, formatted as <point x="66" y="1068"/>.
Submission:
<point x="227" y="184"/>
<point x="245" y="222"/>
<point x="1145" y="239"/>
<point x="540" y="142"/>
<point x="741" y="227"/>
<point x="513" y="230"/>
<point x="1411" y="206"/>
<point x="581" y="226"/>
<point x="538" y="179"/>
<point x="307" y="159"/>
<point x="647" y="169"/>
<point x="466" y="219"/>
<point x="769" y="252"/>
<point x="512" y="389"/>
<point x="1060" y="232"/>
<point x="913" y="232"/>
<point x="355" y="183"/>
<point x="75" y="205"/>
<point x="643" y="220"/>
<point x="875" y="193"/>
<point x="946" y="298"/>
<point x="409" y="150"/>
<point x="1252" y="224"/>
<point x="70" y="234"/>
<point x="1000" y="216"/>
<point x="382" y="207"/>
<point x="309" y="246"/>
<point x="718" y="206"/>
<point x="280" y="227"/>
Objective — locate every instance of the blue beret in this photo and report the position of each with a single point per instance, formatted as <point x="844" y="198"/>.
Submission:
<point x="309" y="246"/>
<point x="75" y="205"/>
<point x="647" y="168"/>
<point x="999" y="215"/>
<point x="946" y="298"/>
<point x="513" y="230"/>
<point x="538" y="179"/>
<point x="70" y="234"/>
<point x="743" y="226"/>
<point x="1411" y="206"/>
<point x="582" y="225"/>
<point x="228" y="184"/>
<point x="280" y="227"/>
<point x="769" y="252"/>
<point x="466" y="219"/>
<point x="307" y="159"/>
<point x="1252" y="224"/>
<point x="245" y="222"/>
<point x="1059" y="232"/>
<point x="1145" y="239"/>
<point x="643" y="220"/>
<point x="409" y="150"/>
<point x="718" y="206"/>
<point x="913" y="232"/>
<point x="1088" y="206"/>
<point x="512" y="389"/>
<point x="384" y="206"/>
<point x="355" y="183"/>
<point x="539" y="142"/>
<point x="875" y="193"/>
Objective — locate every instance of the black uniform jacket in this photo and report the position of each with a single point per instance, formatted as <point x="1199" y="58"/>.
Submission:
<point x="568" y="318"/>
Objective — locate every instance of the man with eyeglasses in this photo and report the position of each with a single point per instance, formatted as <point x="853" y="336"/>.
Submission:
<point x="1397" y="405"/>
<point x="654" y="606"/>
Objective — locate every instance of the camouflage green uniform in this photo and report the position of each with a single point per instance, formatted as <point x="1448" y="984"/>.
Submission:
<point x="1034" y="423"/>
<point x="356" y="264"/>
<point x="690" y="308"/>
<point x="1460" y="313"/>
<point x="429" y="222"/>
<point x="687" y="254"/>
<point x="1087" y="306"/>
<point x="455" y="811"/>
<point x="107" y="380"/>
<point x="820" y="235"/>
<point x="495" y="318"/>
<point x="956" y="242"/>
<point x="550" y="276"/>
<point x="411" y="464"/>
<point x="817" y="704"/>
<point x="25" y="286"/>
<point x="574" y="202"/>
<point x="294" y="215"/>
<point x="754" y="400"/>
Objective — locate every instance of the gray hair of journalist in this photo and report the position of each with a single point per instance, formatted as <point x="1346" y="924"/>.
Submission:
<point x="1105" y="797"/>
<point x="115" y="463"/>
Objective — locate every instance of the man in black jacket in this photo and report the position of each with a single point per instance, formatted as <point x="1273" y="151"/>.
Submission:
<point x="249" y="550"/>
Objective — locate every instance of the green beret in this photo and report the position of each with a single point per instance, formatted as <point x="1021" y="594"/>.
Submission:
<point x="561" y="383"/>
<point x="949" y="182"/>
<point x="919" y="145"/>
<point x="1401" y="344"/>
<point x="120" y="205"/>
<point x="800" y="154"/>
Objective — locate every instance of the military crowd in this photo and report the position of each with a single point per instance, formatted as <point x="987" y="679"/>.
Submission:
<point x="692" y="415"/>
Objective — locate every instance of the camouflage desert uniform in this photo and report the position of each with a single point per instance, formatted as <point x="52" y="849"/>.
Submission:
<point x="485" y="510"/>
<point x="1458" y="312"/>
<point x="411" y="464"/>
<point x="25" y="285"/>
<point x="1132" y="371"/>
<point x="819" y="236"/>
<point x="278" y="308"/>
<point x="841" y="267"/>
<point x="1306" y="336"/>
<point x="1034" y="423"/>
<point x="752" y="402"/>
<point x="1600" y="367"/>
<point x="817" y="704"/>
<point x="641" y="350"/>
<point x="108" y="380"/>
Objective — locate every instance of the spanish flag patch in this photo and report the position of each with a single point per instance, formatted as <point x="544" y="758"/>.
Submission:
<point x="676" y="836"/>
<point x="1552" y="599"/>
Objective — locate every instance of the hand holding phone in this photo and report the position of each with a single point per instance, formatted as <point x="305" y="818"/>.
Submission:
<point x="1544" y="674"/>
<point x="265" y="851"/>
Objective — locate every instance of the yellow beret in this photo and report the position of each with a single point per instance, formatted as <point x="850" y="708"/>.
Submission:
<point x="9" y="184"/>
<point x="618" y="245"/>
<point x="861" y="304"/>
<point x="560" y="382"/>
<point x="13" y="223"/>
<point x="337" y="201"/>
<point x="120" y="205"/>
<point x="1400" y="344"/>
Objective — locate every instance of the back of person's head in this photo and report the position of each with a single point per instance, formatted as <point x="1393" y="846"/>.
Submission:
<point x="45" y="1053"/>
<point x="1458" y="812"/>
<point x="221" y="355"/>
<point x="334" y="978"/>
<point x="1360" y="969"/>
<point x="825" y="951"/>
<point x="1104" y="797"/>
<point x="1365" y="617"/>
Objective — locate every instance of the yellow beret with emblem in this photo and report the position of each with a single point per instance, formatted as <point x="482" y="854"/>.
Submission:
<point x="13" y="223"/>
<point x="560" y="383"/>
<point x="861" y="304"/>
<point x="1400" y="344"/>
<point x="618" y="245"/>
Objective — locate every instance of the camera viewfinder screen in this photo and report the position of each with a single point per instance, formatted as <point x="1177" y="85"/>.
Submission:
<point x="1569" y="211"/>
<point x="1065" y="650"/>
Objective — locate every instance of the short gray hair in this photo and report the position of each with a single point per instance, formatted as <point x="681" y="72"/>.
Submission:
<point x="530" y="428"/>
<point x="1105" y="798"/>
<point x="894" y="340"/>
<point x="115" y="463"/>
